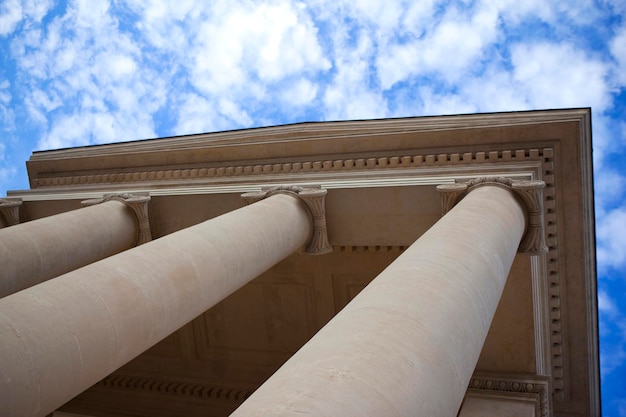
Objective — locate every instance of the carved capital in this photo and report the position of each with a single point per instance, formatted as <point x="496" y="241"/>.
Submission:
<point x="138" y="203"/>
<point x="314" y="200"/>
<point x="528" y="193"/>
<point x="10" y="210"/>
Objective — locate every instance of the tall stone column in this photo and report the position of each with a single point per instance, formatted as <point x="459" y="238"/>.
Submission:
<point x="408" y="344"/>
<point x="36" y="251"/>
<point x="60" y="337"/>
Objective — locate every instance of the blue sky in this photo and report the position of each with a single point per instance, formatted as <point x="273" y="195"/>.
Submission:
<point x="87" y="72"/>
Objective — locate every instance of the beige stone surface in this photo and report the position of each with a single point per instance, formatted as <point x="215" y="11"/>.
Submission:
<point x="409" y="342"/>
<point x="38" y="250"/>
<point x="81" y="326"/>
<point x="381" y="177"/>
<point x="493" y="407"/>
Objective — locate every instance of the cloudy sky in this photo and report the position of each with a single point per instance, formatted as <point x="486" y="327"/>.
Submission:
<point x="86" y="72"/>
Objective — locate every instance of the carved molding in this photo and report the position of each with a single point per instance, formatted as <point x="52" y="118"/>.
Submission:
<point x="10" y="210"/>
<point x="314" y="200"/>
<point x="162" y="386"/>
<point x="370" y="249"/>
<point x="514" y="386"/>
<point x="138" y="203"/>
<point x="382" y="162"/>
<point x="528" y="193"/>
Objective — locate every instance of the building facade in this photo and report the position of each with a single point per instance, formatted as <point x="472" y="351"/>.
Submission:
<point x="434" y="266"/>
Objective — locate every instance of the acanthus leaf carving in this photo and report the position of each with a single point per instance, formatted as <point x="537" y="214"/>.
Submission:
<point x="138" y="204"/>
<point x="10" y="210"/>
<point x="314" y="199"/>
<point x="528" y="193"/>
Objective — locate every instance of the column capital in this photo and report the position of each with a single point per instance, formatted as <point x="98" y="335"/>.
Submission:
<point x="10" y="210"/>
<point x="529" y="194"/>
<point x="314" y="199"/>
<point x="138" y="203"/>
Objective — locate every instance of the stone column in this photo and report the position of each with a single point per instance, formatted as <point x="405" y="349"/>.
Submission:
<point x="36" y="251"/>
<point x="60" y="337"/>
<point x="408" y="344"/>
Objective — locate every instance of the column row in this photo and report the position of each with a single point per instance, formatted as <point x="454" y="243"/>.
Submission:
<point x="407" y="345"/>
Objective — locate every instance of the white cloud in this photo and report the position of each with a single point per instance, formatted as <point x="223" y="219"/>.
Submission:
<point x="609" y="186"/>
<point x="434" y="103"/>
<point x="196" y="114"/>
<point x="7" y="172"/>
<point x="7" y="115"/>
<point x="37" y="9"/>
<point x="250" y="42"/>
<point x="559" y="14"/>
<point x="559" y="75"/>
<point x="352" y="93"/>
<point x="300" y="92"/>
<point x="10" y="15"/>
<point x="618" y="49"/>
<point x="5" y="95"/>
<point x="450" y="49"/>
<point x="90" y="127"/>
<point x="86" y="80"/>
<point x="611" y="358"/>
<point x="606" y="305"/>
<point x="611" y="235"/>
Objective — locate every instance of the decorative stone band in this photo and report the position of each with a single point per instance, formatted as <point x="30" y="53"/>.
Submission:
<point x="514" y="388"/>
<point x="10" y="210"/>
<point x="184" y="388"/>
<point x="138" y="203"/>
<point x="314" y="199"/>
<point x="528" y="193"/>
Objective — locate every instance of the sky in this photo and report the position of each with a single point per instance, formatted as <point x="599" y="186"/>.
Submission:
<point x="88" y="72"/>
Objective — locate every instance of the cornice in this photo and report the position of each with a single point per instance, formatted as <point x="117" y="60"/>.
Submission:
<point x="320" y="131"/>
<point x="259" y="172"/>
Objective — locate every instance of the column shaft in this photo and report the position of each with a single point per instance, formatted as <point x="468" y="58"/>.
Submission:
<point x="42" y="249"/>
<point x="408" y="344"/>
<point x="60" y="337"/>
